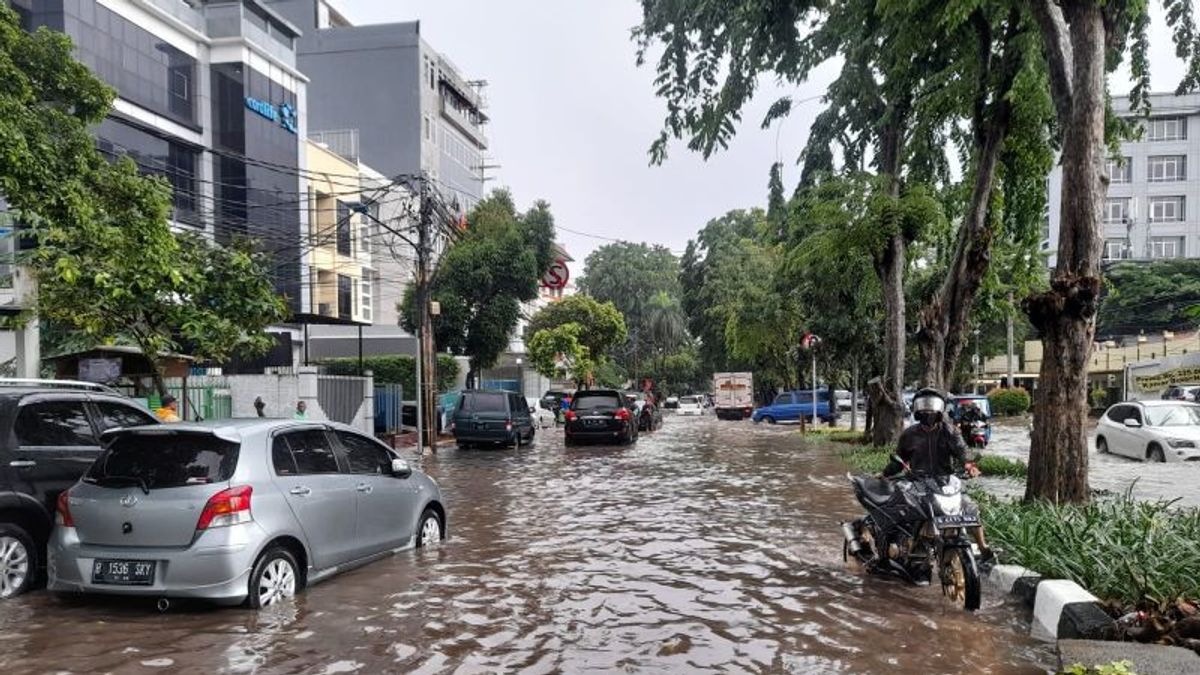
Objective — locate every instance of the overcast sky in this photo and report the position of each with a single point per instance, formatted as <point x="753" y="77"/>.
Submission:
<point x="572" y="116"/>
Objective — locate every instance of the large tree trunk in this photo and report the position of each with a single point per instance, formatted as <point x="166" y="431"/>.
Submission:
<point x="1065" y="315"/>
<point x="944" y="319"/>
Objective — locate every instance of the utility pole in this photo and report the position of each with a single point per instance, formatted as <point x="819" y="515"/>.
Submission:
<point x="427" y="408"/>
<point x="1009" y="353"/>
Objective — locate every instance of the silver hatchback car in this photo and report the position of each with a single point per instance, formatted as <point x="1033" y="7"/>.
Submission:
<point x="236" y="511"/>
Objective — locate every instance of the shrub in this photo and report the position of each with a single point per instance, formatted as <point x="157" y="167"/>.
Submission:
<point x="1009" y="401"/>
<point x="401" y="370"/>
<point x="1137" y="554"/>
<point x="870" y="459"/>
<point x="991" y="465"/>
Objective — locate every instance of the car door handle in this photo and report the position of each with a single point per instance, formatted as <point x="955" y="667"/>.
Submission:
<point x="363" y="487"/>
<point x="22" y="463"/>
<point x="301" y="491"/>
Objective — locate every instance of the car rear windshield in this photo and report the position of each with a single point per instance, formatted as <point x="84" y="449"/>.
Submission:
<point x="154" y="461"/>
<point x="485" y="403"/>
<point x="596" y="402"/>
<point x="689" y="400"/>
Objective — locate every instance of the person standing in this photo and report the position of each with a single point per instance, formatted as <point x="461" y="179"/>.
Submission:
<point x="169" y="410"/>
<point x="259" y="406"/>
<point x="301" y="411"/>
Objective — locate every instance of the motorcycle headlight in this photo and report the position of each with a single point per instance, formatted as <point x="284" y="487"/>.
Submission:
<point x="1180" y="443"/>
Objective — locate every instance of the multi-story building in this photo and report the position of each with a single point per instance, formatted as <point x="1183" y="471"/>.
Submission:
<point x="209" y="97"/>
<point x="1152" y="209"/>
<point x="338" y="284"/>
<point x="410" y="106"/>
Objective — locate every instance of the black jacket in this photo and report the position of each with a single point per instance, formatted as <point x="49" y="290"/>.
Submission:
<point x="930" y="451"/>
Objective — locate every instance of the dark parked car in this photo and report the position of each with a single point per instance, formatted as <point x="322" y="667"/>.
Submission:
<point x="552" y="400"/>
<point x="600" y="415"/>
<point x="48" y="439"/>
<point x="1181" y="392"/>
<point x="492" y="417"/>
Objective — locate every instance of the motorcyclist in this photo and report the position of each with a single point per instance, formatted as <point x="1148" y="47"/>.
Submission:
<point x="971" y="413"/>
<point x="932" y="447"/>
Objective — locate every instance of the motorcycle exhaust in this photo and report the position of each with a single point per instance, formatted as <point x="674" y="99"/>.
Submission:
<point x="851" y="538"/>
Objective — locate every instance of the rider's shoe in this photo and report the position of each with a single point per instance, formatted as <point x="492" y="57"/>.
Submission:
<point x="987" y="557"/>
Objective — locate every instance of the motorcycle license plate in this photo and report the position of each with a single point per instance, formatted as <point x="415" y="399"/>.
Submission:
<point x="956" y="521"/>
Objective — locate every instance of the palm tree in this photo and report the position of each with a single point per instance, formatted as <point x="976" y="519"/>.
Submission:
<point x="666" y="325"/>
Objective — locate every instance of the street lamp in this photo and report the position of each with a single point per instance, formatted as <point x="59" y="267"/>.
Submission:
<point x="521" y="376"/>
<point x="978" y="364"/>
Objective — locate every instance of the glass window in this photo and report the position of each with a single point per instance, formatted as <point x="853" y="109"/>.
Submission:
<point x="166" y="461"/>
<point x="1116" y="209"/>
<point x="365" y="455"/>
<point x="485" y="402"/>
<point x="1166" y="209"/>
<point x="1166" y="247"/>
<point x="1166" y="129"/>
<point x="343" y="228"/>
<point x="1165" y="168"/>
<point x="54" y="424"/>
<point x="1118" y="413"/>
<point x="312" y="451"/>
<point x="1173" y="416"/>
<point x="1114" y="249"/>
<point x="345" y="298"/>
<point x="281" y="457"/>
<point x="784" y="399"/>
<point x="113" y="415"/>
<point x="1120" y="170"/>
<point x="590" y="402"/>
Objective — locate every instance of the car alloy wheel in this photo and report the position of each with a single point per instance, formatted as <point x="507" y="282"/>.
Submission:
<point x="274" y="578"/>
<point x="14" y="566"/>
<point x="430" y="532"/>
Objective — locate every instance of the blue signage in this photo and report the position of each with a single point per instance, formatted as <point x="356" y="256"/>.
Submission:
<point x="285" y="114"/>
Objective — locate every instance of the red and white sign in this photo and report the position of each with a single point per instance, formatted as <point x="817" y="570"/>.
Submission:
<point x="557" y="276"/>
<point x="810" y="341"/>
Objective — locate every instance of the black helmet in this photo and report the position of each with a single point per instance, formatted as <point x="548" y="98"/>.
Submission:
<point x="928" y="405"/>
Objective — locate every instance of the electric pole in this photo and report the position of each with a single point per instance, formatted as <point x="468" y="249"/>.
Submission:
<point x="1010" y="383"/>
<point x="427" y="383"/>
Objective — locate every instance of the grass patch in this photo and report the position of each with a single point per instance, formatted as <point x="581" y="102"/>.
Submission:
<point x="868" y="459"/>
<point x="839" y="435"/>
<point x="992" y="465"/>
<point x="1130" y="553"/>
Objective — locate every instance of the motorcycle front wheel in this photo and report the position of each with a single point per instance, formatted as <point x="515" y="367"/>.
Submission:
<point x="960" y="578"/>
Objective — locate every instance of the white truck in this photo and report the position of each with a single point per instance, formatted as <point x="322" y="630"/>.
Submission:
<point x="733" y="395"/>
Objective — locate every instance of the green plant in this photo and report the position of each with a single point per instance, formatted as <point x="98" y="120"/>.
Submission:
<point x="991" y="465"/>
<point x="1114" y="668"/>
<point x="1012" y="401"/>
<point x="399" y="370"/>
<point x="1138" y="554"/>
<point x="868" y="459"/>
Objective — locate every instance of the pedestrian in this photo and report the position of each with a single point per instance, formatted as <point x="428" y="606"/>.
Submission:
<point x="169" y="410"/>
<point x="564" y="405"/>
<point x="301" y="411"/>
<point x="260" y="406"/>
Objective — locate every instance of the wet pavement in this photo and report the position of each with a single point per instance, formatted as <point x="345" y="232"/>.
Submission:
<point x="707" y="547"/>
<point x="1113" y="473"/>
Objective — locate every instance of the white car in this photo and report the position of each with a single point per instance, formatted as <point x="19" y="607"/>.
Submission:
<point x="690" y="405"/>
<point x="1155" y="431"/>
<point x="542" y="418"/>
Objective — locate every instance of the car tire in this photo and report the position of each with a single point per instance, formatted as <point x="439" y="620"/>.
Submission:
<point x="18" y="561"/>
<point x="274" y="578"/>
<point x="463" y="445"/>
<point x="768" y="419"/>
<point x="430" y="530"/>
<point x="1101" y="445"/>
<point x="1155" y="454"/>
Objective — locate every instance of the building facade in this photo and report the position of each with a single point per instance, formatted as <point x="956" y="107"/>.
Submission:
<point x="338" y="283"/>
<point x="1152" y="210"/>
<point x="411" y="109"/>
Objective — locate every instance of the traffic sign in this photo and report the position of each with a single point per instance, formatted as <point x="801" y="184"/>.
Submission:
<point x="557" y="276"/>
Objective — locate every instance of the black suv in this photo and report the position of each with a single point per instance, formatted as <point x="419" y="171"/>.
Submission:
<point x="48" y="439"/>
<point x="600" y="415"/>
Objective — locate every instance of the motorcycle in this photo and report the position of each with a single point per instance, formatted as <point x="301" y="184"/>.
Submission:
<point x="914" y="527"/>
<point x="974" y="433"/>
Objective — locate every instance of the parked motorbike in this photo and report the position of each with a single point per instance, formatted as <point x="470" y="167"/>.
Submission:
<point x="974" y="433"/>
<point x="914" y="527"/>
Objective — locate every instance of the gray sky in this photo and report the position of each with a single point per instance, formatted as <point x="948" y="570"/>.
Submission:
<point x="572" y="116"/>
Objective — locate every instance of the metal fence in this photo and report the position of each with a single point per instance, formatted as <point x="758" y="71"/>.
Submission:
<point x="206" y="397"/>
<point x="341" y="396"/>
<point x="506" y="385"/>
<point x="389" y="409"/>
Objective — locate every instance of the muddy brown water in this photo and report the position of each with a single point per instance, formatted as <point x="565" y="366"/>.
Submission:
<point x="707" y="547"/>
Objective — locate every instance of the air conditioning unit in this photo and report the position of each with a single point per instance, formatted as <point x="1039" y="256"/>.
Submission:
<point x="325" y="309"/>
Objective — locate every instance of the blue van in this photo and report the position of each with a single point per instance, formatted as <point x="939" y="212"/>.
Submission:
<point x="790" y="406"/>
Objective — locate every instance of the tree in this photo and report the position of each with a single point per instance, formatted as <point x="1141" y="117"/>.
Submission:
<point x="558" y="352"/>
<point x="1082" y="41"/>
<point x="602" y="326"/>
<point x="666" y="326"/>
<point x="484" y="277"/>
<point x="1153" y="296"/>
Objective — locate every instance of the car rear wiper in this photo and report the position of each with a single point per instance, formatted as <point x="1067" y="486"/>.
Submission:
<point x="136" y="480"/>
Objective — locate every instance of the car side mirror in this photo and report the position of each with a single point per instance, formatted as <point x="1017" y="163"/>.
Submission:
<point x="401" y="468"/>
<point x="532" y="410"/>
<point x="1132" y="423"/>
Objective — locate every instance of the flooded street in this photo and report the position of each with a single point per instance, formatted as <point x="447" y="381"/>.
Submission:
<point x="706" y="547"/>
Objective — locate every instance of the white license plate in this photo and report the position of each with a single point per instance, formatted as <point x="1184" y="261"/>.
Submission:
<point x="956" y="521"/>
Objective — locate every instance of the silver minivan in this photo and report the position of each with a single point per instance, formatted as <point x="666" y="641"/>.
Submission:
<point x="237" y="511"/>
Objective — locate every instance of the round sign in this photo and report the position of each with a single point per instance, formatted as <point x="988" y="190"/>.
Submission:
<point x="557" y="275"/>
<point x="974" y="359"/>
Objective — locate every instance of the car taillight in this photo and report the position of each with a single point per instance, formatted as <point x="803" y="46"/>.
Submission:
<point x="508" y="425"/>
<point x="227" y="507"/>
<point x="622" y="414"/>
<point x="62" y="514"/>
<point x="570" y="415"/>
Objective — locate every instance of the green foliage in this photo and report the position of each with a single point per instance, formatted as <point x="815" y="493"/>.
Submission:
<point x="868" y="459"/>
<point x="1009" y="401"/>
<point x="679" y="373"/>
<point x="1152" y="296"/>
<point x="1139" y="554"/>
<point x="401" y="370"/>
<point x="602" y="326"/>
<point x="484" y="277"/>
<point x="1114" y="668"/>
<point x="559" y="353"/>
<point x="627" y="274"/>
<point x="992" y="465"/>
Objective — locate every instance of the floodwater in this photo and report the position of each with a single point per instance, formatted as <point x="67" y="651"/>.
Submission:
<point x="1113" y="473"/>
<point x="706" y="547"/>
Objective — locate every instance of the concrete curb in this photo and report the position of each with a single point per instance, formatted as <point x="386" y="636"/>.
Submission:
<point x="1061" y="608"/>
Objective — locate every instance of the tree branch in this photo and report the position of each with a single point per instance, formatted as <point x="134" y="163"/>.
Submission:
<point x="1056" y="45"/>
